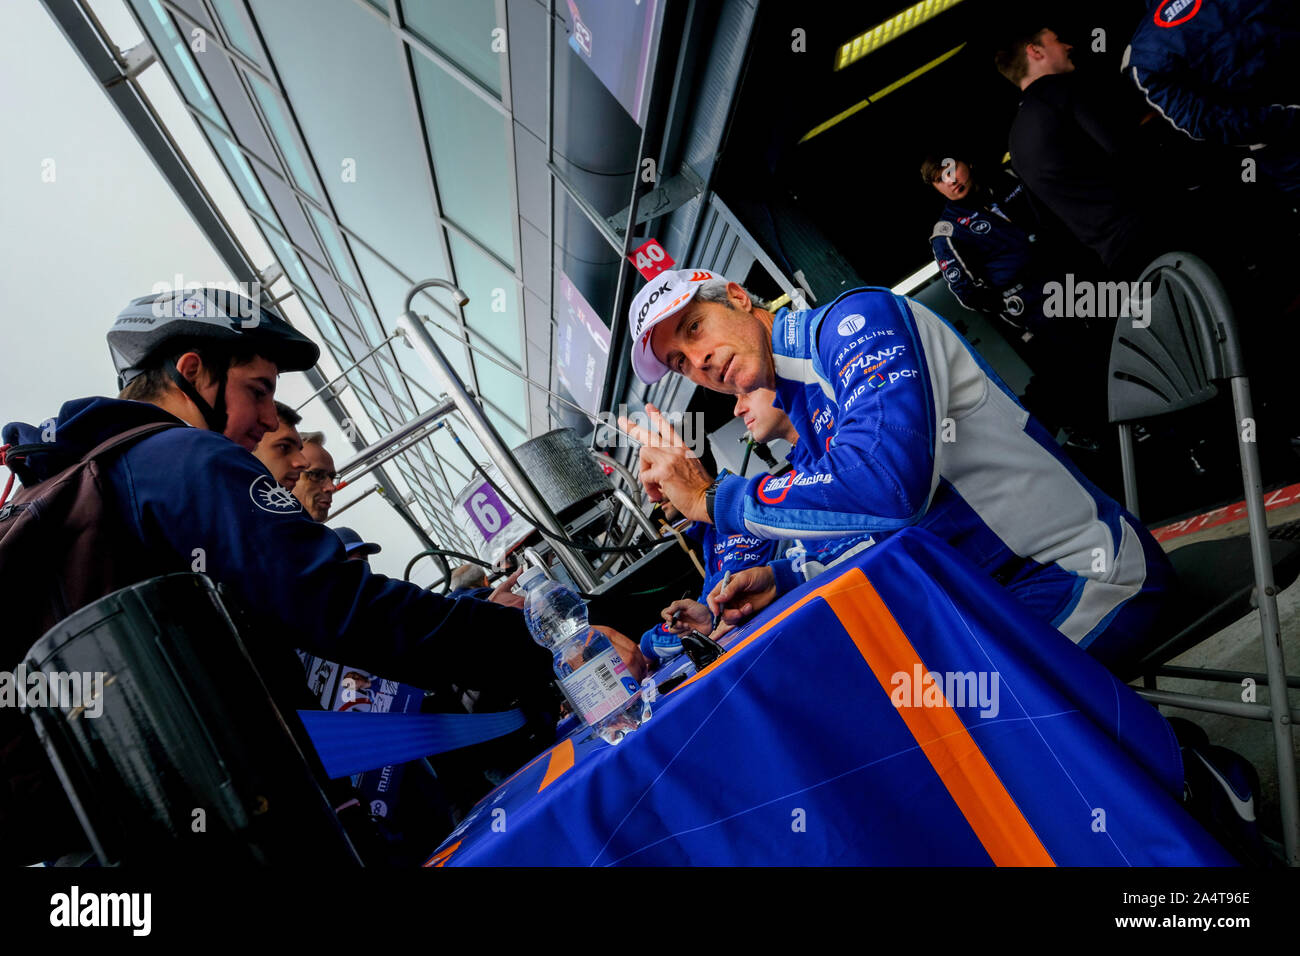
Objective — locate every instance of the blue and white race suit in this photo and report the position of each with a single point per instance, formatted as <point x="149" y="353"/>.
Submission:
<point x="924" y="433"/>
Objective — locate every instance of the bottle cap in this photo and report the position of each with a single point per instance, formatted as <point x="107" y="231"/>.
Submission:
<point x="531" y="576"/>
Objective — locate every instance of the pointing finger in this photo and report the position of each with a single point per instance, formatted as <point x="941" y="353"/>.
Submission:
<point x="667" y="433"/>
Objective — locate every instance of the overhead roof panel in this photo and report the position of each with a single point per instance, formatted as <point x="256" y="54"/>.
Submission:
<point x="470" y="159"/>
<point x="462" y="31"/>
<point x="343" y="73"/>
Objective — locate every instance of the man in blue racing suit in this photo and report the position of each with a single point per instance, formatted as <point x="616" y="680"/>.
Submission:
<point x="924" y="434"/>
<point x="792" y="565"/>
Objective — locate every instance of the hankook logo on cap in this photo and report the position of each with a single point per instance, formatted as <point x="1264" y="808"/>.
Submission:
<point x="640" y="318"/>
<point x="850" y="324"/>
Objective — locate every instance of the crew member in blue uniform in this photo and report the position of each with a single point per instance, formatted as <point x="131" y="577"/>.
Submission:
<point x="989" y="250"/>
<point x="924" y="434"/>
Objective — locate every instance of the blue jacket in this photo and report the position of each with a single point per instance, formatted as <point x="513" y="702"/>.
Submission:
<point x="187" y="495"/>
<point x="925" y="434"/>
<point x="811" y="556"/>
<point x="987" y="256"/>
<point x="1223" y="71"/>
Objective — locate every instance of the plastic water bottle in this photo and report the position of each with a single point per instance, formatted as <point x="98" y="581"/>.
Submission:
<point x="596" y="681"/>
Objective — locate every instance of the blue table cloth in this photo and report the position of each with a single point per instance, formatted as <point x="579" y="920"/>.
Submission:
<point x="902" y="709"/>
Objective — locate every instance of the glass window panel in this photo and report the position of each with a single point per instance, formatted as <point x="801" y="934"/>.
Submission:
<point x="168" y="42"/>
<point x="396" y="384"/>
<point x="372" y="408"/>
<point x="468" y="141"/>
<point x="453" y="458"/>
<point x="502" y="388"/>
<point x="367" y="318"/>
<point x="341" y="69"/>
<point x="460" y="30"/>
<point x="241" y="174"/>
<point x="289" y="260"/>
<point x="330" y="334"/>
<point x="330" y="237"/>
<point x="454" y="467"/>
<point x="231" y="15"/>
<point x="283" y="133"/>
<point x="388" y="290"/>
<point x="493" y="311"/>
<point x="510" y="433"/>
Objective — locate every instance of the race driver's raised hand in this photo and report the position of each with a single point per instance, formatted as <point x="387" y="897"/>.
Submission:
<point x="669" y="469"/>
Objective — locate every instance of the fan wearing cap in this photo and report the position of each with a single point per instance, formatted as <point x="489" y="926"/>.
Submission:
<point x="189" y="498"/>
<point x="918" y="432"/>
<point x="354" y="547"/>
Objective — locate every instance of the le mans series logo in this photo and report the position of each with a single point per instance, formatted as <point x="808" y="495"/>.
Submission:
<point x="1176" y="11"/>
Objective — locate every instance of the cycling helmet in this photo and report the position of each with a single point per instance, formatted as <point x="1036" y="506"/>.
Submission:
<point x="148" y="324"/>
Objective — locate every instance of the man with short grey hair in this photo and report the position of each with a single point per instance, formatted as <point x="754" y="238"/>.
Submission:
<point x="466" y="579"/>
<point x="905" y="425"/>
<point x="315" y="486"/>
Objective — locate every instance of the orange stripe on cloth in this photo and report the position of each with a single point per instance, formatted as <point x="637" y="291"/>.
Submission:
<point x="973" y="785"/>
<point x="730" y="653"/>
<point x="442" y="856"/>
<point x="561" y="761"/>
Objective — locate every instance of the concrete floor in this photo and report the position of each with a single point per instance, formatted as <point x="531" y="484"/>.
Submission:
<point x="1239" y="648"/>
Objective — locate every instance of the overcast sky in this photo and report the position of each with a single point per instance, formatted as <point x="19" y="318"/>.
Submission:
<point x="105" y="230"/>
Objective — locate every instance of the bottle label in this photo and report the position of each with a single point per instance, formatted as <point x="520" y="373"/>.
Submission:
<point x="596" y="688"/>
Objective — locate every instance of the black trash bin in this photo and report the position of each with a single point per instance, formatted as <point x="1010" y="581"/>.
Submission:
<point x="184" y="757"/>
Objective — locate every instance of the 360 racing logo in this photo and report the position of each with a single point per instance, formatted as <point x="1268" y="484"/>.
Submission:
<point x="773" y="489"/>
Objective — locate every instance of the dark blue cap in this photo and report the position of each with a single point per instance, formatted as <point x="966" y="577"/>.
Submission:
<point x="353" y="542"/>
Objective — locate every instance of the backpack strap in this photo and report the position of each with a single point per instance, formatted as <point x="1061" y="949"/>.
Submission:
<point x="13" y="453"/>
<point x="127" y="437"/>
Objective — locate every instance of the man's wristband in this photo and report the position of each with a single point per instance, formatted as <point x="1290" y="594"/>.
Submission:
<point x="710" y="494"/>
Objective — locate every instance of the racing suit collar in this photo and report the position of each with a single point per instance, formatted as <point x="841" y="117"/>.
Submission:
<point x="792" y="355"/>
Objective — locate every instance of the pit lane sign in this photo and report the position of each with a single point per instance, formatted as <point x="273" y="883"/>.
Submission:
<point x="650" y="259"/>
<point x="486" y="511"/>
<point x="491" y="527"/>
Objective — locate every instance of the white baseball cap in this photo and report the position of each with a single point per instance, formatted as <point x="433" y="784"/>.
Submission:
<point x="663" y="296"/>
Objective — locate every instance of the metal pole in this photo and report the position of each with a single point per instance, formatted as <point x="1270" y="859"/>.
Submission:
<point x="418" y="337"/>
<point x="626" y="501"/>
<point x="343" y="374"/>
<point x="392" y="453"/>
<point x="414" y="425"/>
<point x="619" y="467"/>
<point x="365" y="494"/>
<point x="1210" y="705"/>
<point x="1271" y="631"/>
